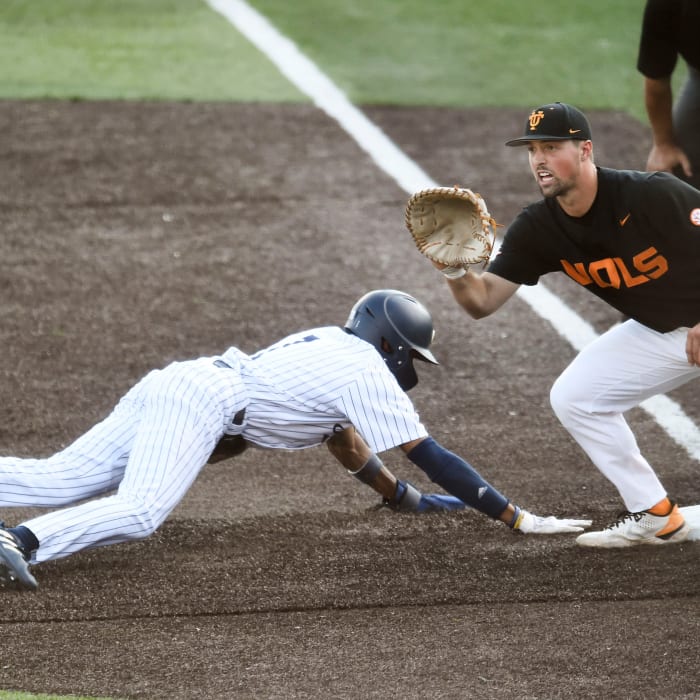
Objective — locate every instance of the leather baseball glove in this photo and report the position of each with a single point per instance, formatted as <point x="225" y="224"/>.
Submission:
<point x="451" y="225"/>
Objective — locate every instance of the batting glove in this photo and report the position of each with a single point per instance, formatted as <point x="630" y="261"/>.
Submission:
<point x="531" y="524"/>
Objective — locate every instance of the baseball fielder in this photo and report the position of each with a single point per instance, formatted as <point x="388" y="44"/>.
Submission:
<point x="632" y="239"/>
<point x="342" y="386"/>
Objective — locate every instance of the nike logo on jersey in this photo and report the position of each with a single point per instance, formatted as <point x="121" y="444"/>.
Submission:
<point x="614" y="272"/>
<point x="625" y="219"/>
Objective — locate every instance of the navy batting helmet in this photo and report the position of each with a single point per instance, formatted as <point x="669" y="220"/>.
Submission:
<point x="398" y="326"/>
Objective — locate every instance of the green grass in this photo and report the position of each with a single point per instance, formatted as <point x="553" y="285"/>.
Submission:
<point x="130" y="49"/>
<point x="463" y="52"/>
<point x="470" y="53"/>
<point x="405" y="52"/>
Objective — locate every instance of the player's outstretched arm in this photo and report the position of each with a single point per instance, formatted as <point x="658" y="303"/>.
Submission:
<point x="459" y="478"/>
<point x="356" y="456"/>
<point x="480" y="294"/>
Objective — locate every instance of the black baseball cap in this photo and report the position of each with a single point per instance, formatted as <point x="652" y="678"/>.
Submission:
<point x="554" y="122"/>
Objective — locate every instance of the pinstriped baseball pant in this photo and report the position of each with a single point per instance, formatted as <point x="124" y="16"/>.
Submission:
<point x="149" y="449"/>
<point x="616" y="372"/>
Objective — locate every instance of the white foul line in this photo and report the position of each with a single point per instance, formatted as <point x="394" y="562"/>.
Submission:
<point x="306" y="76"/>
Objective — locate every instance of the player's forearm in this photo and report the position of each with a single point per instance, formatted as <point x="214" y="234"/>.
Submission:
<point x="356" y="456"/>
<point x="378" y="477"/>
<point x="480" y="294"/>
<point x="468" y="289"/>
<point x="460" y="479"/>
<point x="658" y="100"/>
<point x="469" y="294"/>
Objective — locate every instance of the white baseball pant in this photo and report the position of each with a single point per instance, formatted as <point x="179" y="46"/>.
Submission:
<point x="616" y="372"/>
<point x="150" y="448"/>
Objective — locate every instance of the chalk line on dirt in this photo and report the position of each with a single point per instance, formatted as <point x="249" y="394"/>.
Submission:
<point x="311" y="81"/>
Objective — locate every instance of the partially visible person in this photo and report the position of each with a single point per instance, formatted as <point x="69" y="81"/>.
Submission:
<point x="342" y="386"/>
<point x="671" y="29"/>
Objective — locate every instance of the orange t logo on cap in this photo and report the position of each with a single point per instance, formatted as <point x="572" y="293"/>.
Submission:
<point x="535" y="119"/>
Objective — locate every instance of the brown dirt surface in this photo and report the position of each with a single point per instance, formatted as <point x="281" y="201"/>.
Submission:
<point x="135" y="234"/>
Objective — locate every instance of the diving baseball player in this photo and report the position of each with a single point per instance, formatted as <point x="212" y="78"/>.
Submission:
<point x="342" y="386"/>
<point x="632" y="239"/>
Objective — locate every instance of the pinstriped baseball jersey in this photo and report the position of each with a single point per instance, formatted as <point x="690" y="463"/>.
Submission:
<point x="301" y="388"/>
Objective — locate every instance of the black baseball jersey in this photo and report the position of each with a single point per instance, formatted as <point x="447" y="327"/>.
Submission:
<point x="670" y="28"/>
<point x="638" y="247"/>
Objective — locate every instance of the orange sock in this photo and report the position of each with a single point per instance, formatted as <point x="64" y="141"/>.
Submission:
<point x="663" y="507"/>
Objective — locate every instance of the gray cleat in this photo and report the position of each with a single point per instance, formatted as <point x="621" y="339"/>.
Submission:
<point x="14" y="568"/>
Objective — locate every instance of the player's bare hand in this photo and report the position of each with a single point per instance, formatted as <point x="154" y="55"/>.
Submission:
<point x="668" y="156"/>
<point x="692" y="345"/>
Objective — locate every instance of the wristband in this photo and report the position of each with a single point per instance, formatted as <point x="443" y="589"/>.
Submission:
<point x="367" y="473"/>
<point x="453" y="273"/>
<point x="517" y="518"/>
<point x="409" y="499"/>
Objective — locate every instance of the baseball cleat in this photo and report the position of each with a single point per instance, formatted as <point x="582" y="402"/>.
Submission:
<point x="14" y="569"/>
<point x="632" y="529"/>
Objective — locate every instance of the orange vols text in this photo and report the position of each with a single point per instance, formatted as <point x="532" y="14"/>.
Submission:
<point x="614" y="272"/>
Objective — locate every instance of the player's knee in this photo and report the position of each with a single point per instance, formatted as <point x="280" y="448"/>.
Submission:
<point x="143" y="518"/>
<point x="564" y="399"/>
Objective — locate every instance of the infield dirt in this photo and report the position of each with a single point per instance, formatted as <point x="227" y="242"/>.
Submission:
<point x="136" y="234"/>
